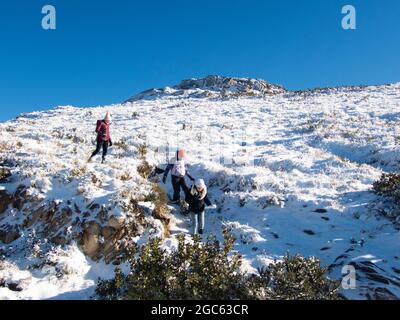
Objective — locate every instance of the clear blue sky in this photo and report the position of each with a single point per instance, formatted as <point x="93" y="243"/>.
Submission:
<point x="105" y="51"/>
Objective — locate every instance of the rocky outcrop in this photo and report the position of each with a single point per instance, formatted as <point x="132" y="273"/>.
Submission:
<point x="230" y="85"/>
<point x="90" y="240"/>
<point x="213" y="87"/>
<point x="99" y="233"/>
<point x="106" y="241"/>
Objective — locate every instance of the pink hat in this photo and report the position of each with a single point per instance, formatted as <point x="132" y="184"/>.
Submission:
<point x="107" y="117"/>
<point x="181" y="154"/>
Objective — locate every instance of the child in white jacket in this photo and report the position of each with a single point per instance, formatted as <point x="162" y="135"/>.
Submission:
<point x="178" y="170"/>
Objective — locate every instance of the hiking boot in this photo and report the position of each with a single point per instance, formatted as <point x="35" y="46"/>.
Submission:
<point x="201" y="231"/>
<point x="103" y="160"/>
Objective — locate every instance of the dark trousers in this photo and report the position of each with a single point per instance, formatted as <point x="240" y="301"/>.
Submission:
<point x="177" y="184"/>
<point x="101" y="144"/>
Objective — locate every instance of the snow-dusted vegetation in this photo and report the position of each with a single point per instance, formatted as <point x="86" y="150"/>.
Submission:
<point x="289" y="172"/>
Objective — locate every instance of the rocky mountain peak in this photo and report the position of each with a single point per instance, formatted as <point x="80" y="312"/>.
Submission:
<point x="213" y="87"/>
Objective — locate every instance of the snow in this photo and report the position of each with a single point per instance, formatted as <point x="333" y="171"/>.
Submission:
<point x="270" y="162"/>
<point x="78" y="281"/>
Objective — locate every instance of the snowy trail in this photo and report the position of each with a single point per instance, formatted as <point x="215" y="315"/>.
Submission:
<point x="284" y="157"/>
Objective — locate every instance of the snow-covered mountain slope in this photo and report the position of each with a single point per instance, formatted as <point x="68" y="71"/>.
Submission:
<point x="289" y="172"/>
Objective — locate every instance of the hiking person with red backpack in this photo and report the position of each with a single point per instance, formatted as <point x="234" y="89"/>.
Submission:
<point x="103" y="137"/>
<point x="178" y="170"/>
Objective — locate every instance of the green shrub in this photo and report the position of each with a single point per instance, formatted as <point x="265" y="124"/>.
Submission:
<point x="4" y="174"/>
<point x="388" y="186"/>
<point x="210" y="270"/>
<point x="294" y="278"/>
<point x="111" y="289"/>
<point x="194" y="271"/>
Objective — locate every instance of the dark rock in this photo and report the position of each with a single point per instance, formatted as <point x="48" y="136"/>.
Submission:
<point x="14" y="287"/>
<point x="102" y="215"/>
<point x="381" y="294"/>
<point x="342" y="256"/>
<point x="5" y="200"/>
<point x="321" y="211"/>
<point x="19" y="190"/>
<point x="19" y="203"/>
<point x="76" y="207"/>
<point x="309" y="232"/>
<point x="373" y="273"/>
<point x="86" y="215"/>
<point x="59" y="240"/>
<point x="93" y="206"/>
<point x="377" y="278"/>
<point x="9" y="234"/>
<point x="66" y="212"/>
<point x="275" y="235"/>
<point x="396" y="270"/>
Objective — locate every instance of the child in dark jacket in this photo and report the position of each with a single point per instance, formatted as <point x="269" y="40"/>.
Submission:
<point x="197" y="199"/>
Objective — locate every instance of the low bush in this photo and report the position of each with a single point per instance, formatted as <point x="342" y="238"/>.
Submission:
<point x="388" y="186"/>
<point x="145" y="169"/>
<point x="210" y="270"/>
<point x="126" y="176"/>
<point x="294" y="278"/>
<point x="78" y="172"/>
<point x="142" y="150"/>
<point x="121" y="144"/>
<point x="4" y="174"/>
